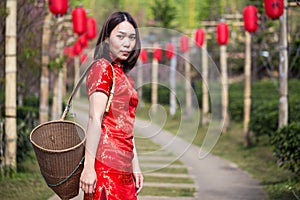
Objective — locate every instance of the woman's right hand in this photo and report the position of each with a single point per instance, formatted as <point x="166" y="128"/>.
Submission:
<point x="88" y="180"/>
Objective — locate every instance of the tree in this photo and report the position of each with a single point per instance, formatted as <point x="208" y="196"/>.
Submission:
<point x="164" y="13"/>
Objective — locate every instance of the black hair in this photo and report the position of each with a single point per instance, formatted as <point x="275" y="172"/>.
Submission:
<point x="102" y="48"/>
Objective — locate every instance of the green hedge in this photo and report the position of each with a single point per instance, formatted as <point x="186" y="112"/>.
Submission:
<point x="286" y="143"/>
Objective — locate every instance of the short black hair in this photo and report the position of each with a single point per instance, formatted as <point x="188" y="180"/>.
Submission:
<point x="102" y="48"/>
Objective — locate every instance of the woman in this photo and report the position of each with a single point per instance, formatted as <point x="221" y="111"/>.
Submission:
<point x="111" y="168"/>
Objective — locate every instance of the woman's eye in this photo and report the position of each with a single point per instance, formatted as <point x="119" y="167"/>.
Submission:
<point x="132" y="37"/>
<point x="120" y="37"/>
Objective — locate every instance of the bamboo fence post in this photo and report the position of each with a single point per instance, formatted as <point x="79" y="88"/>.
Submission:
<point x="247" y="91"/>
<point x="223" y="60"/>
<point x="283" y="69"/>
<point x="10" y="86"/>
<point x="154" y="90"/>
<point x="44" y="82"/>
<point x="188" y="85"/>
<point x="205" y="99"/>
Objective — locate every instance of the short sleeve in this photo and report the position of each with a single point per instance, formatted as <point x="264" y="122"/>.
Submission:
<point x="99" y="78"/>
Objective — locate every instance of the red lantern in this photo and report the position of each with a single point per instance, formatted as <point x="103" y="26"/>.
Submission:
<point x="91" y="28"/>
<point x="68" y="51"/>
<point x="83" y="40"/>
<point x="144" y="56"/>
<point x="170" y="49"/>
<point x="58" y="7"/>
<point x="222" y="33"/>
<point x="79" y="20"/>
<point x="83" y="57"/>
<point x="250" y="18"/>
<point x="77" y="48"/>
<point x="199" y="37"/>
<point x="157" y="54"/>
<point x="184" y="43"/>
<point x="274" y="8"/>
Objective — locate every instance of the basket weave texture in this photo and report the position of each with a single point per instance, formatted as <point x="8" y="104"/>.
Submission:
<point x="59" y="148"/>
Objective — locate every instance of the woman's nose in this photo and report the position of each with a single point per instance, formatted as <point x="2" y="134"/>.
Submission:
<point x="126" y="42"/>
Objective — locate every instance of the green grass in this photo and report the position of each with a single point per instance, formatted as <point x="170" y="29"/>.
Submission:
<point x="257" y="160"/>
<point x="25" y="185"/>
<point x="167" y="191"/>
<point x="167" y="179"/>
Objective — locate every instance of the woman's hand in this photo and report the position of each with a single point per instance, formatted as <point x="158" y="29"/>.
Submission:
<point x="88" y="180"/>
<point x="139" y="181"/>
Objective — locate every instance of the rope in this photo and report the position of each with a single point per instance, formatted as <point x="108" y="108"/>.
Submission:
<point x="68" y="177"/>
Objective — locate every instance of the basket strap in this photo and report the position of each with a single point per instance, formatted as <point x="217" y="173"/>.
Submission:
<point x="68" y="177"/>
<point x="68" y="105"/>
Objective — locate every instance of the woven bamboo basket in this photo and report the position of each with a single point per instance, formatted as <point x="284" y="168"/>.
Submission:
<point x="59" y="148"/>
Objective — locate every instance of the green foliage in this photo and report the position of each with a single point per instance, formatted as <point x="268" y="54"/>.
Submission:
<point x="26" y="120"/>
<point x="57" y="63"/>
<point x="264" y="119"/>
<point x="163" y="12"/>
<point x="286" y="143"/>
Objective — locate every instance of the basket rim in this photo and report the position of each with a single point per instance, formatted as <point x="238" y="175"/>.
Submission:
<point x="62" y="150"/>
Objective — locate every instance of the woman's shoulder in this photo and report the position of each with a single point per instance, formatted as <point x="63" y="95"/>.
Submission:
<point x="102" y="62"/>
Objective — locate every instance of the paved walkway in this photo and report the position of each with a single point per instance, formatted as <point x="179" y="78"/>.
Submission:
<point x="215" y="178"/>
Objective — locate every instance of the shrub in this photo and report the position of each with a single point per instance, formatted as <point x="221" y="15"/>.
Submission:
<point x="264" y="119"/>
<point x="286" y="143"/>
<point x="26" y="120"/>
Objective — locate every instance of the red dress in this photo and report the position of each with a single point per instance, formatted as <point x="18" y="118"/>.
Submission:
<point x="115" y="151"/>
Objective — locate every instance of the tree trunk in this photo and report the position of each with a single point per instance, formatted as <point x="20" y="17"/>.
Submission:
<point x="44" y="84"/>
<point x="223" y="61"/>
<point x="247" y="92"/>
<point x="283" y="69"/>
<point x="10" y="86"/>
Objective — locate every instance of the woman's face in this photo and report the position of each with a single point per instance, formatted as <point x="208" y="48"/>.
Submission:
<point x="122" y="40"/>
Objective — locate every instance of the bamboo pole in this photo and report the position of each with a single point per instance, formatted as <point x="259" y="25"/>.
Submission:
<point x="283" y="69"/>
<point x="223" y="61"/>
<point x="205" y="102"/>
<point x="247" y="91"/>
<point x="58" y="84"/>
<point x="140" y="82"/>
<point x="173" y="64"/>
<point x="44" y="83"/>
<point x="76" y="74"/>
<point x="154" y="90"/>
<point x="188" y="85"/>
<point x="10" y="86"/>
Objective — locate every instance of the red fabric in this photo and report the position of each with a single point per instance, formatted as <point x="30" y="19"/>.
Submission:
<point x="115" y="150"/>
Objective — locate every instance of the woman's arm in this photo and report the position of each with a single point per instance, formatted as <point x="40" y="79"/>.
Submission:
<point x="97" y="103"/>
<point x="137" y="173"/>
